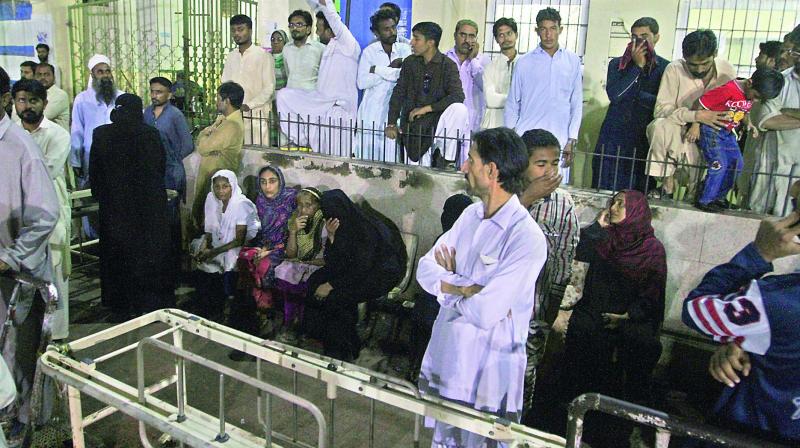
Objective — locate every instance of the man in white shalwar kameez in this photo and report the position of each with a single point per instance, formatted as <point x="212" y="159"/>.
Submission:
<point x="254" y="69"/>
<point x="780" y="151"/>
<point x="497" y="75"/>
<point x="316" y="118"/>
<point x="29" y="212"/>
<point x="378" y="71"/>
<point x="483" y="273"/>
<point x="30" y="98"/>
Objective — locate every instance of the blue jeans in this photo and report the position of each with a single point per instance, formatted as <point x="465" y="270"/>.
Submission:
<point x="724" y="161"/>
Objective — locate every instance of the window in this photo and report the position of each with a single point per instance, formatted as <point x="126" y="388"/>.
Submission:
<point x="574" y="19"/>
<point x="740" y="25"/>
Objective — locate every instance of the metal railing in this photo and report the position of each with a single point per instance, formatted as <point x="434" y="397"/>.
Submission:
<point x="665" y="424"/>
<point x="189" y="425"/>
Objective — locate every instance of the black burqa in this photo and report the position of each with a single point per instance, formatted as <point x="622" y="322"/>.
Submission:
<point x="126" y="170"/>
<point x="365" y="261"/>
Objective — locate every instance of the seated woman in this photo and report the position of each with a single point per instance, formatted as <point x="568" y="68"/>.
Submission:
<point x="304" y="255"/>
<point x="620" y="314"/>
<point x="363" y="261"/>
<point x="230" y="220"/>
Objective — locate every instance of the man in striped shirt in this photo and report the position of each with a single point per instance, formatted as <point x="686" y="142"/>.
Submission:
<point x="552" y="208"/>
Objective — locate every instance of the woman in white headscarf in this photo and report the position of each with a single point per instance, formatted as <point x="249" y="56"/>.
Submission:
<point x="230" y="220"/>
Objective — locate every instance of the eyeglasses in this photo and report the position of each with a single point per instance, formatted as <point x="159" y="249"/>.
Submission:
<point x="276" y="39"/>
<point x="293" y="25"/>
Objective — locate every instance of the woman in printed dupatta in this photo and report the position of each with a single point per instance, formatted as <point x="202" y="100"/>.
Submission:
<point x="612" y="340"/>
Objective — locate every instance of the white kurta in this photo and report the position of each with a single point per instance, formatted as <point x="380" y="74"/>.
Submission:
<point x="476" y="354"/>
<point x="317" y="118"/>
<point x="302" y="64"/>
<point x="374" y="109"/>
<point x="780" y="151"/>
<point x="53" y="140"/>
<point x="255" y="72"/>
<point x="496" y="82"/>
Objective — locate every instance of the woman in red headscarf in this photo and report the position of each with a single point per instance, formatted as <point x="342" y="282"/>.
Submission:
<point x="612" y="341"/>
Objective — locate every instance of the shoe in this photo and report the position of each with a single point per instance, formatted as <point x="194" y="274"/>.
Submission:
<point x="240" y="356"/>
<point x="725" y="204"/>
<point x="711" y="207"/>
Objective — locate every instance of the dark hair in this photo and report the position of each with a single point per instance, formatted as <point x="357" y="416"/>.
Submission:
<point x="379" y="16"/>
<point x="429" y="30"/>
<point x="794" y="36"/>
<point x="648" y="22"/>
<point x="45" y="46"/>
<point x="539" y="138"/>
<point x="5" y="83"/>
<point x="321" y="18"/>
<point x="504" y="21"/>
<point x="163" y="81"/>
<point x="45" y="64"/>
<point x="505" y="148"/>
<point x="31" y="86"/>
<point x="302" y="13"/>
<point x="772" y="49"/>
<point x="30" y="64"/>
<point x="700" y="43"/>
<point x="232" y="92"/>
<point x="548" y="14"/>
<point x="392" y="7"/>
<point x="241" y="19"/>
<point x="767" y="82"/>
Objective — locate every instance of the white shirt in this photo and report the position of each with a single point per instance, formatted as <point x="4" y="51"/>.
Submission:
<point x="338" y="69"/>
<point x="302" y="64"/>
<point x="255" y="72"/>
<point x="546" y="93"/>
<point x="57" y="109"/>
<point x="496" y="83"/>
<point x="477" y="349"/>
<point x="88" y="112"/>
<point x="378" y="86"/>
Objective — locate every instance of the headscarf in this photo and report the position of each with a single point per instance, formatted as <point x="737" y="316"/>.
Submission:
<point x="127" y="111"/>
<point x="285" y="39"/>
<point x="453" y="207"/>
<point x="309" y="240"/>
<point x="240" y="211"/>
<point x="632" y="245"/>
<point x="650" y="57"/>
<point x="274" y="213"/>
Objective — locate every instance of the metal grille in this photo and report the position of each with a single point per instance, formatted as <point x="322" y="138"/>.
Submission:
<point x="147" y="38"/>
<point x="574" y="19"/>
<point x="740" y="25"/>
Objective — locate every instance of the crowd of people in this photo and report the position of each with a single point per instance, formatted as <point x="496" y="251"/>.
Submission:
<point x="510" y="273"/>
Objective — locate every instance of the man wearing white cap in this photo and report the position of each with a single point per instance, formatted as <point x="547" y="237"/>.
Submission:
<point x="91" y="108"/>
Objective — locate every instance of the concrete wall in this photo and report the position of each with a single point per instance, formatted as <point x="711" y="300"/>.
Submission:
<point x="412" y="197"/>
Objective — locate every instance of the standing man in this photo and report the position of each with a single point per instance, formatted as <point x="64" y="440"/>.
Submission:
<point x="497" y="75"/>
<point x="27" y="70"/>
<point x="57" y="109"/>
<point x="483" y="273"/>
<point x="554" y="211"/>
<point x="127" y="178"/>
<point x="378" y="71"/>
<point x="332" y="107"/>
<point x="219" y="145"/>
<point x="683" y="83"/>
<point x="428" y="101"/>
<point x="466" y="54"/>
<point x="780" y="148"/>
<point x="30" y="98"/>
<point x="92" y="108"/>
<point x="547" y="89"/>
<point x="29" y="212"/>
<point x="254" y="69"/>
<point x="398" y="15"/>
<point x="178" y="144"/>
<point x="303" y="56"/>
<point x="43" y="53"/>
<point x="632" y="85"/>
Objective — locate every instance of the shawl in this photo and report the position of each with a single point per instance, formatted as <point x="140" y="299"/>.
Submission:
<point x="650" y="58"/>
<point x="631" y="244"/>
<point x="275" y="213"/>
<point x="309" y="240"/>
<point x="222" y="225"/>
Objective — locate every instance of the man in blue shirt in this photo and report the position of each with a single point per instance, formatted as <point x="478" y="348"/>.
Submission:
<point x="178" y="143"/>
<point x="736" y="304"/>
